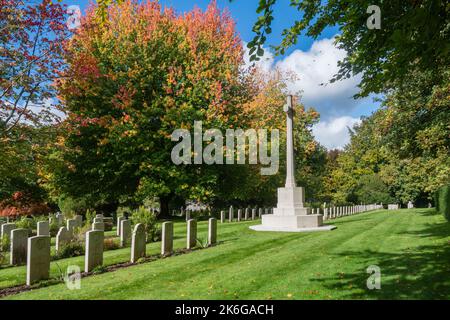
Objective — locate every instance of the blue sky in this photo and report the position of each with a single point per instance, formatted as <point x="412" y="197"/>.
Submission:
<point x="314" y="60"/>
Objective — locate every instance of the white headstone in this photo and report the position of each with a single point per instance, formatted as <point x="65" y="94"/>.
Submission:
<point x="62" y="238"/>
<point x="7" y="228"/>
<point x="98" y="226"/>
<point x="212" y="231"/>
<point x="43" y="228"/>
<point x="119" y="225"/>
<point x="138" y="245"/>
<point x="191" y="240"/>
<point x="167" y="238"/>
<point x="71" y="225"/>
<point x="125" y="233"/>
<point x="94" y="250"/>
<point x="18" y="251"/>
<point x="38" y="259"/>
<point x="231" y="214"/>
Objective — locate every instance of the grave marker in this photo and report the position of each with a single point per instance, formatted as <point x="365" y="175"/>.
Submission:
<point x="138" y="243"/>
<point x="94" y="250"/>
<point x="38" y="259"/>
<point x="18" y="251"/>
<point x="191" y="234"/>
<point x="167" y="238"/>
<point x="212" y="231"/>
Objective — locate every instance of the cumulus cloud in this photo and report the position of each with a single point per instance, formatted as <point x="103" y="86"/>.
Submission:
<point x="333" y="134"/>
<point x="313" y="70"/>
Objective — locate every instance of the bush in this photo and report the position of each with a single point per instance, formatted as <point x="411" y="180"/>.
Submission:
<point x="90" y="215"/>
<point x="150" y="222"/>
<point x="26" y="223"/>
<point x="443" y="201"/>
<point x="2" y="258"/>
<point x="4" y="243"/>
<point x="111" y="244"/>
<point x="72" y="249"/>
<point x="54" y="228"/>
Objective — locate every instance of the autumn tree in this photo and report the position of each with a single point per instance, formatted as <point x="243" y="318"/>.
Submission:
<point x="31" y="45"/>
<point x="132" y="80"/>
<point x="31" y="42"/>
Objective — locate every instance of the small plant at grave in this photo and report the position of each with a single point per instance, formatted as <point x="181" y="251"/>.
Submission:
<point x="26" y="223"/>
<point x="140" y="260"/>
<point x="60" y="275"/>
<point x="202" y="242"/>
<point x="99" y="270"/>
<point x="111" y="244"/>
<point x="90" y="215"/>
<point x="72" y="249"/>
<point x="4" y="243"/>
<point x="79" y="233"/>
<point x="2" y="258"/>
<point x="150" y="222"/>
<point x="54" y="228"/>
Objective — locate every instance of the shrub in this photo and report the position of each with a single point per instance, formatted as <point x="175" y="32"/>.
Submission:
<point x="111" y="244"/>
<point x="26" y="223"/>
<point x="444" y="201"/>
<point x="2" y="258"/>
<point x="4" y="243"/>
<point x="150" y="222"/>
<point x="90" y="215"/>
<point x="54" y="228"/>
<point x="72" y="249"/>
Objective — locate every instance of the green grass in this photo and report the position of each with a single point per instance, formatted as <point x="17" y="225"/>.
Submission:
<point x="410" y="246"/>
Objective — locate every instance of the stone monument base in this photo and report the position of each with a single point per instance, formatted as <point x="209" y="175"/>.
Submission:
<point x="292" y="223"/>
<point x="280" y="229"/>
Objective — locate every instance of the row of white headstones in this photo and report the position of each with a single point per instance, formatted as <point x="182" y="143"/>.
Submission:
<point x="328" y="212"/>
<point x="35" y="251"/>
<point x="337" y="212"/>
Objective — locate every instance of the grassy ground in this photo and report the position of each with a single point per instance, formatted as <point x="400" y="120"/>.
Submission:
<point x="411" y="247"/>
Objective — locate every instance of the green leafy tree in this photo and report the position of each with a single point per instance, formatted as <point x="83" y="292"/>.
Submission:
<point x="414" y="35"/>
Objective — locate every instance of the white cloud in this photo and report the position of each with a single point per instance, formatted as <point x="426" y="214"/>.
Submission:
<point x="314" y="69"/>
<point x="334" y="133"/>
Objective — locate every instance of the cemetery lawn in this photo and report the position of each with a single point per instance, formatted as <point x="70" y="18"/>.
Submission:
<point x="411" y="247"/>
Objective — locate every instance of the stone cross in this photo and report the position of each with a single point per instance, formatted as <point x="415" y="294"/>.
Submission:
<point x="290" y="164"/>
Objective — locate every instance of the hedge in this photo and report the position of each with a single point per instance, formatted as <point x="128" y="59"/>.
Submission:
<point x="443" y="201"/>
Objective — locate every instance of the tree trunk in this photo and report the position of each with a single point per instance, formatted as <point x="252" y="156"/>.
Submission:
<point x="164" y="206"/>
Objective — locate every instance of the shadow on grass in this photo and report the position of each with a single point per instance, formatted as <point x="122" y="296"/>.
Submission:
<point x="421" y="272"/>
